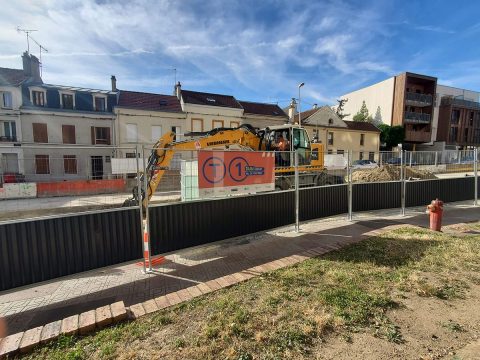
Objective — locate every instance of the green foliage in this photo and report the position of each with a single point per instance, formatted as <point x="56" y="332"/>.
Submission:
<point x="391" y="135"/>
<point x="362" y="115"/>
<point x="339" y="112"/>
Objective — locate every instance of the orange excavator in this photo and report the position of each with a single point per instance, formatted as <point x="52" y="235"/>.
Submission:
<point x="243" y="138"/>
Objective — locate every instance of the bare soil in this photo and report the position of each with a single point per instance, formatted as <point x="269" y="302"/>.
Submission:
<point x="390" y="173"/>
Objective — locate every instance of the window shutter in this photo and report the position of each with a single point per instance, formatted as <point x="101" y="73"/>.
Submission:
<point x="40" y="133"/>
<point x="68" y="134"/>
<point x="93" y="135"/>
<point x="108" y="136"/>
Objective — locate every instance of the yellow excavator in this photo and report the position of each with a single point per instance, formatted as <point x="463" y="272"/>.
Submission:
<point x="244" y="138"/>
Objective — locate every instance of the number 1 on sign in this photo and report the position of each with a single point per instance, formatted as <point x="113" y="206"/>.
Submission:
<point x="239" y="167"/>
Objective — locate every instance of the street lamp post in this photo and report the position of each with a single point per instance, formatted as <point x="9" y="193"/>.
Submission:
<point x="299" y="104"/>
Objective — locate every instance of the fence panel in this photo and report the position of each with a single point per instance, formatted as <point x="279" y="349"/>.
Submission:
<point x="323" y="201"/>
<point x="423" y="192"/>
<point x="182" y="225"/>
<point x="43" y="249"/>
<point x="375" y="196"/>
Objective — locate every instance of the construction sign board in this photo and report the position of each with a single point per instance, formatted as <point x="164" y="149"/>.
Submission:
<point x="235" y="172"/>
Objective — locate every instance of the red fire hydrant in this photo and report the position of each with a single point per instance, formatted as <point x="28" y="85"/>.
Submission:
<point x="435" y="210"/>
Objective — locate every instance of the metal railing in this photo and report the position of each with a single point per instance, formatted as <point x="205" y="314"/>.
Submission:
<point x="421" y="98"/>
<point x="447" y="100"/>
<point x="415" y="117"/>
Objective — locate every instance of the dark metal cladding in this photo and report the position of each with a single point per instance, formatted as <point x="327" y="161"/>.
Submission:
<point x="323" y="201"/>
<point x="376" y="196"/>
<point x="423" y="192"/>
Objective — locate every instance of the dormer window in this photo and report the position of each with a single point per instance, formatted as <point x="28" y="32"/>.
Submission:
<point x="38" y="97"/>
<point x="210" y="100"/>
<point x="6" y="100"/>
<point x="162" y="102"/>
<point x="67" y="100"/>
<point x="330" y="121"/>
<point x="99" y="103"/>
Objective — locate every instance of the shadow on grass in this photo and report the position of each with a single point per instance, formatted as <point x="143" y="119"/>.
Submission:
<point x="384" y="251"/>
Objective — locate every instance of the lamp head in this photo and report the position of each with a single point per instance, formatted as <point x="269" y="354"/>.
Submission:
<point x="300" y="85"/>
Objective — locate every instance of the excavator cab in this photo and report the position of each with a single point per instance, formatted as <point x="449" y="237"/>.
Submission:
<point x="296" y="139"/>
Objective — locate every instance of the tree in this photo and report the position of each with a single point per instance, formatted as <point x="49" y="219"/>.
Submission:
<point x="391" y="136"/>
<point x="377" y="119"/>
<point x="341" y="104"/>
<point x="362" y="115"/>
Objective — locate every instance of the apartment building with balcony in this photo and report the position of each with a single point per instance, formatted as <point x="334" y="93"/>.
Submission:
<point x="406" y="100"/>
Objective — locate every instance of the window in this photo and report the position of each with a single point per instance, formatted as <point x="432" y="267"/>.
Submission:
<point x="176" y="130"/>
<point x="40" y="133"/>
<point x="234" y="124"/>
<point x="68" y="134"/>
<point x="132" y="135"/>
<point x="100" y="135"/>
<point x="197" y="125"/>
<point x="67" y="101"/>
<point x="42" y="164"/>
<point x="10" y="130"/>
<point x="340" y="152"/>
<point x="371" y="156"/>
<point x="330" y="121"/>
<point x="465" y="135"/>
<point x="7" y="100"/>
<point x="100" y="103"/>
<point x="330" y="138"/>
<point x="70" y="164"/>
<point x="362" y="139"/>
<point x="330" y="151"/>
<point x="455" y="116"/>
<point x="217" y="124"/>
<point x="453" y="134"/>
<point x="156" y="133"/>
<point x="470" y="119"/>
<point x="38" y="98"/>
<point x="476" y="136"/>
<point x="360" y="156"/>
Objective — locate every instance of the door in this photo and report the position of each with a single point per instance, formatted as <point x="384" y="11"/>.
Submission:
<point x="97" y="167"/>
<point x="301" y="144"/>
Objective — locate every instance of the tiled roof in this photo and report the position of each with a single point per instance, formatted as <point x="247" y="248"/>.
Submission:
<point x="306" y="114"/>
<point x="11" y="76"/>
<point x="262" y="108"/>
<point x="148" y="101"/>
<point x="201" y="98"/>
<point x="361" y="126"/>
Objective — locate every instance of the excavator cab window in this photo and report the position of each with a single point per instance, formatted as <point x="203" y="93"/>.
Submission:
<point x="301" y="144"/>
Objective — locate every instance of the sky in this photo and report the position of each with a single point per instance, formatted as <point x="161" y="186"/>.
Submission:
<point x="256" y="50"/>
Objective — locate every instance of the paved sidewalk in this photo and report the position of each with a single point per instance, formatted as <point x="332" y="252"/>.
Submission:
<point x="35" y="305"/>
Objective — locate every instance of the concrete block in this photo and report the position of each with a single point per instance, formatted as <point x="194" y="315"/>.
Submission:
<point x="162" y="302"/>
<point x="119" y="313"/>
<point x="70" y="325"/>
<point x="194" y="291"/>
<point x="10" y="345"/>
<point x="136" y="311"/>
<point x="30" y="339"/>
<point x="86" y="322"/>
<point x="173" y="298"/>
<point x="51" y="331"/>
<point x="103" y="316"/>
<point x="150" y="306"/>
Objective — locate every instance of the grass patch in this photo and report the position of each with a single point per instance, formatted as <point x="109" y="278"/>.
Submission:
<point x="285" y="313"/>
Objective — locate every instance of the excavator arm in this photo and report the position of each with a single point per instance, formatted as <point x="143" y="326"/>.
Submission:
<point x="242" y="138"/>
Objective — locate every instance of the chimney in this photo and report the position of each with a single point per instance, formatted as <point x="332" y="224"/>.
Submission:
<point x="178" y="90"/>
<point x="35" y="66"/>
<point x="27" y="64"/>
<point x="315" y="106"/>
<point x="292" y="109"/>
<point x="114" y="83"/>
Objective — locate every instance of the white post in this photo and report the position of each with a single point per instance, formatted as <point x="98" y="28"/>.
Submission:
<point x="297" y="194"/>
<point x="350" y="185"/>
<point x="146" y="221"/>
<point x="475" y="171"/>
<point x="403" y="183"/>
<point x="140" y="204"/>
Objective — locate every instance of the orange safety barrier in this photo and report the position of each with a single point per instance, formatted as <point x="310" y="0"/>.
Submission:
<point x="80" y="187"/>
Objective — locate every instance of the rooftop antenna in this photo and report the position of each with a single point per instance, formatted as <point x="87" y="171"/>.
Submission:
<point x="26" y="31"/>
<point x="175" y="71"/>
<point x="36" y="42"/>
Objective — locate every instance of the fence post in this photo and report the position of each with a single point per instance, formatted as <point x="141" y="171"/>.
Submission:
<point x="140" y="202"/>
<point x="350" y="185"/>
<point x="403" y="180"/>
<point x="146" y="220"/>
<point x="475" y="172"/>
<point x="297" y="194"/>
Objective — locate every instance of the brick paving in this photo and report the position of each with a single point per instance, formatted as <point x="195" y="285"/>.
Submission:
<point x="195" y="271"/>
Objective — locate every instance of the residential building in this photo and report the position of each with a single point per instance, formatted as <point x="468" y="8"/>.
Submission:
<point x="66" y="132"/>
<point x="339" y="136"/>
<point x="435" y="116"/>
<point x="142" y="118"/>
<point x="206" y="111"/>
<point x="404" y="100"/>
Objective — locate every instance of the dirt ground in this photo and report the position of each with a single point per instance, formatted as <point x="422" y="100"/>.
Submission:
<point x="389" y="173"/>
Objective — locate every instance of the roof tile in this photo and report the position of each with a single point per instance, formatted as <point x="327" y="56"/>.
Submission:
<point x="148" y="101"/>
<point x="262" y="109"/>
<point x="201" y="98"/>
<point x="12" y="76"/>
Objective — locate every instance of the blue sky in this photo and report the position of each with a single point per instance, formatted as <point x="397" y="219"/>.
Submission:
<point x="254" y="50"/>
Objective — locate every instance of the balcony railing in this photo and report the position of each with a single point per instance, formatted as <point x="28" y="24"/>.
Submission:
<point x="419" y="99"/>
<point x="8" y="138"/>
<point x="446" y="100"/>
<point x="417" y="136"/>
<point x="417" y="118"/>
